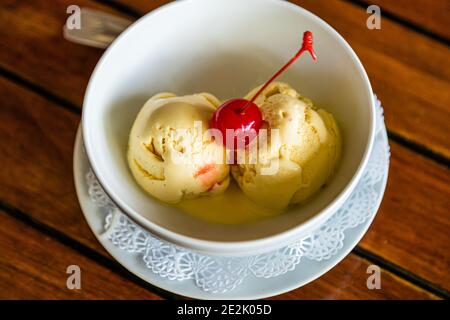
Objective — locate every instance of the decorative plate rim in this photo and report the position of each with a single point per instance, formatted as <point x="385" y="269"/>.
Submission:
<point x="337" y="256"/>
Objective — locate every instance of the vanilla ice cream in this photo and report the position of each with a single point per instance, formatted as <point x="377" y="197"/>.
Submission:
<point x="169" y="153"/>
<point x="306" y="149"/>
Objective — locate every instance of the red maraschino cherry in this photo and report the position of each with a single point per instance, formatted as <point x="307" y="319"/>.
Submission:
<point x="243" y="116"/>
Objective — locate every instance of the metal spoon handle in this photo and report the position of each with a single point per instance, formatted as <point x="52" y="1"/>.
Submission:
<point x="98" y="29"/>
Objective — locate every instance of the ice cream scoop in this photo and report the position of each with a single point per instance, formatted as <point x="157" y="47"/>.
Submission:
<point x="304" y="150"/>
<point x="170" y="155"/>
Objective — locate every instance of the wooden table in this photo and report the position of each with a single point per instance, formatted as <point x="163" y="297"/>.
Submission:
<point x="43" y="79"/>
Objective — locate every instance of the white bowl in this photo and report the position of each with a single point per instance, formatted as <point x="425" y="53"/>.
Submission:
<point x="225" y="47"/>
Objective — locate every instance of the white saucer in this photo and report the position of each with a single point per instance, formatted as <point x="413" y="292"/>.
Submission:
<point x="254" y="286"/>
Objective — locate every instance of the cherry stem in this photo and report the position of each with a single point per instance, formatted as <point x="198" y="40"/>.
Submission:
<point x="307" y="45"/>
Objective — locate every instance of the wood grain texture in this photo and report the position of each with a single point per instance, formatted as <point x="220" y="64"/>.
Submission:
<point x="412" y="226"/>
<point x="37" y="136"/>
<point x="36" y="161"/>
<point x="431" y="15"/>
<point x="408" y="71"/>
<point x="336" y="283"/>
<point x="33" y="266"/>
<point x="33" y="46"/>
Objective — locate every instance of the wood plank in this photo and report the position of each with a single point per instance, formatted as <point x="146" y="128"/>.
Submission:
<point x="432" y="16"/>
<point x="349" y="280"/>
<point x="33" y="46"/>
<point x="409" y="71"/>
<point x="36" y="137"/>
<point x="412" y="226"/>
<point x="36" y="163"/>
<point x="33" y="266"/>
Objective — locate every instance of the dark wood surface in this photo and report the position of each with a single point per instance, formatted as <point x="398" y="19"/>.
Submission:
<point x="42" y="86"/>
<point x="33" y="266"/>
<point x="431" y="15"/>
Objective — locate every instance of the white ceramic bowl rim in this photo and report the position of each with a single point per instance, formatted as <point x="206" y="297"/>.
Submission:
<point x="230" y="247"/>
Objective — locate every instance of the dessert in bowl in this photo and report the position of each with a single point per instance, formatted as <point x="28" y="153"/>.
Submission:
<point x="226" y="48"/>
<point x="176" y="156"/>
